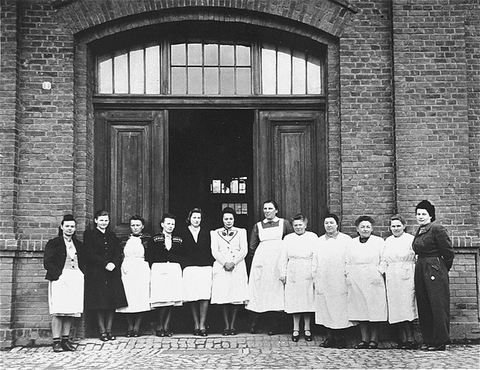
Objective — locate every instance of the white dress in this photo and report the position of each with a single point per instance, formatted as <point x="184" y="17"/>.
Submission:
<point x="135" y="277"/>
<point x="331" y="289"/>
<point x="399" y="263"/>
<point x="296" y="263"/>
<point x="265" y="290"/>
<point x="367" y="298"/>
<point x="229" y="246"/>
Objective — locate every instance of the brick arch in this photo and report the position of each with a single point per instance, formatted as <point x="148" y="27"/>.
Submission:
<point x="329" y="16"/>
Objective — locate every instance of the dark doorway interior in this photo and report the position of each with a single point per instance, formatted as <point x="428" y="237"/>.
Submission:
<point x="207" y="145"/>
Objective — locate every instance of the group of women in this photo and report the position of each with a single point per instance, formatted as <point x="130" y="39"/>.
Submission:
<point x="345" y="281"/>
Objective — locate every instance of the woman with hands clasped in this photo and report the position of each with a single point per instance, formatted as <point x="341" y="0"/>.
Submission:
<point x="229" y="286"/>
<point x="366" y="301"/>
<point x="297" y="270"/>
<point x="104" y="291"/>
<point x="398" y="261"/>
<point x="136" y="276"/>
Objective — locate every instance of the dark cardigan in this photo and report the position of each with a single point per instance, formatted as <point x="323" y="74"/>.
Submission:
<point x="55" y="256"/>
<point x="158" y="252"/>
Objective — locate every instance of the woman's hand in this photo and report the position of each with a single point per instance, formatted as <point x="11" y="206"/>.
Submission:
<point x="110" y="266"/>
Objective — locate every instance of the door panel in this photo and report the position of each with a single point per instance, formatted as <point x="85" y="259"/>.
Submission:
<point x="129" y="167"/>
<point x="291" y="163"/>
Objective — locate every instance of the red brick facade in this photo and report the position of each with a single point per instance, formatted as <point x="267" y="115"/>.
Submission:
<point x="403" y="123"/>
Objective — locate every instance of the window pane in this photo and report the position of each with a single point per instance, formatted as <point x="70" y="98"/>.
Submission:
<point x="313" y="75"/>
<point x="243" y="55"/>
<point x="227" y="55"/>
<point x="194" y="54"/>
<point x="105" y="75"/>
<point x="269" y="61"/>
<point x="120" y="74"/>
<point x="152" y="70"/>
<point x="244" y="81"/>
<point x="195" y="80"/>
<point x="179" y="56"/>
<point x="299" y="73"/>
<point x="227" y="81"/>
<point x="179" y="80"/>
<point x="211" y="80"/>
<point x="137" y="72"/>
<point x="284" y="72"/>
<point x="211" y="54"/>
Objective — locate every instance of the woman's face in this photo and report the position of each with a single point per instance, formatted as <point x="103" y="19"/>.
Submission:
<point x="299" y="226"/>
<point x="102" y="222"/>
<point x="168" y="225"/>
<point x="195" y="219"/>
<point x="68" y="228"/>
<point x="136" y="226"/>
<point x="365" y="229"/>
<point x="269" y="211"/>
<point x="228" y="220"/>
<point x="397" y="228"/>
<point x="423" y="217"/>
<point x="330" y="225"/>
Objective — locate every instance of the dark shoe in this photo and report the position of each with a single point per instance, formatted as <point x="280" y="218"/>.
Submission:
<point x="328" y="343"/>
<point x="308" y="335"/>
<point x="104" y="337"/>
<point x="341" y="343"/>
<point x="160" y="333"/>
<point x="68" y="346"/>
<point x="135" y="334"/>
<point x="57" y="347"/>
<point x="168" y="333"/>
<point x="424" y="347"/>
<point x="274" y="331"/>
<point x="253" y="329"/>
<point x="441" y="347"/>
<point x="226" y="332"/>
<point x="407" y="345"/>
<point x="202" y="332"/>
<point x="110" y="336"/>
<point x="372" y="345"/>
<point x="295" y="336"/>
<point x="129" y="333"/>
<point x="196" y="332"/>
<point x="361" y="345"/>
<point x="232" y="332"/>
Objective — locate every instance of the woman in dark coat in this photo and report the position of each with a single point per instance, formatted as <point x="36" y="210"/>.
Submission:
<point x="166" y="258"/>
<point x="64" y="260"/>
<point x="435" y="258"/>
<point x="104" y="290"/>
<point x="197" y="275"/>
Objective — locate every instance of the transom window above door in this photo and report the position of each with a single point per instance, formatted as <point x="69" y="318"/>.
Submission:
<point x="210" y="68"/>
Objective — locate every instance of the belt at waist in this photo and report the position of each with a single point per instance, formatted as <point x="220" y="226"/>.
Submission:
<point x="429" y="256"/>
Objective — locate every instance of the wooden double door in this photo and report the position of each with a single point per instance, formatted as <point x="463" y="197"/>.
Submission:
<point x="149" y="162"/>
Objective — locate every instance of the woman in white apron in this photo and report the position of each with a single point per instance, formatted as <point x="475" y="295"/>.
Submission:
<point x="64" y="260"/>
<point x="136" y="276"/>
<point x="265" y="290"/>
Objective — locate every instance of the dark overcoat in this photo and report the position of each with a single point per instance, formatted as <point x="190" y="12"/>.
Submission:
<point x="103" y="289"/>
<point x="197" y="253"/>
<point x="55" y="256"/>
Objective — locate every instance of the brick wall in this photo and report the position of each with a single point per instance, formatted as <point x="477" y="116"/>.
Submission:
<point x="402" y="126"/>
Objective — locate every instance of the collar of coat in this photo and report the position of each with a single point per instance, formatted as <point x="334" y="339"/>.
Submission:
<point x="423" y="229"/>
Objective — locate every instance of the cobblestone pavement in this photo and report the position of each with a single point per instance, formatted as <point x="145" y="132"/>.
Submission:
<point x="244" y="351"/>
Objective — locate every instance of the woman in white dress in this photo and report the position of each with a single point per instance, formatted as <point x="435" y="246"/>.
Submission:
<point x="166" y="259"/>
<point x="297" y="269"/>
<point x="330" y="283"/>
<point x="64" y="260"/>
<point x="399" y="264"/>
<point x="367" y="301"/>
<point x="136" y="276"/>
<point x="265" y="290"/>
<point x="197" y="275"/>
<point x="229" y="286"/>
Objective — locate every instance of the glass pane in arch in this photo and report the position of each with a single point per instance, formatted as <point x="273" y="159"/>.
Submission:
<point x="284" y="71"/>
<point x="120" y="73"/>
<point x="105" y="74"/>
<point x="137" y="72"/>
<point x="269" y="69"/>
<point x="152" y="70"/>
<point x="313" y="75"/>
<point x="299" y="73"/>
